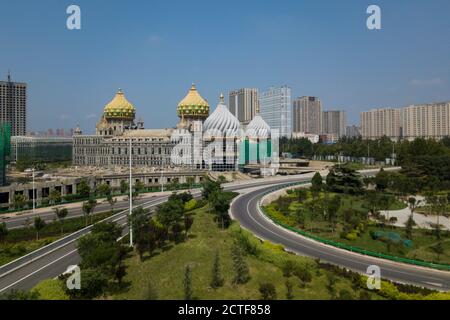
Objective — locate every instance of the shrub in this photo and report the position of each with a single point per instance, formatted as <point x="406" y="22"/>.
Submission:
<point x="190" y="205"/>
<point x="268" y="291"/>
<point x="351" y="236"/>
<point x="50" y="289"/>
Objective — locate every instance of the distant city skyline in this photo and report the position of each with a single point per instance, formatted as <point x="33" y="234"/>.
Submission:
<point x="319" y="48"/>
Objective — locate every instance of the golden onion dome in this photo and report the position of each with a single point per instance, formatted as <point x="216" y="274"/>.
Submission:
<point x="193" y="105"/>
<point x="119" y="108"/>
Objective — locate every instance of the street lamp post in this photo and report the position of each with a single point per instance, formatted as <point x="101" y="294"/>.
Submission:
<point x="162" y="181"/>
<point x="34" y="195"/>
<point x="131" y="199"/>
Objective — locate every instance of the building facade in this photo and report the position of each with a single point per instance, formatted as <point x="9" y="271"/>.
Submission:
<point x="41" y="149"/>
<point x="199" y="141"/>
<point x="353" y="131"/>
<point x="426" y="121"/>
<point x="335" y="123"/>
<point x="377" y="123"/>
<point x="275" y="109"/>
<point x="243" y="103"/>
<point x="13" y="106"/>
<point x="307" y="115"/>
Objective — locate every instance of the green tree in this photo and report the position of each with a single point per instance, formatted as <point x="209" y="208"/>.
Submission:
<point x="112" y="201"/>
<point x="216" y="278"/>
<point x="409" y="224"/>
<point x="289" y="290"/>
<point x="88" y="208"/>
<point x="302" y="194"/>
<point x="332" y="207"/>
<point x="344" y="294"/>
<point x="188" y="221"/>
<point x="124" y="187"/>
<point x="221" y="205"/>
<point x="267" y="291"/>
<point x="438" y="249"/>
<point x="39" y="224"/>
<point x="93" y="284"/>
<point x="19" y="201"/>
<point x="331" y="283"/>
<point x="54" y="197"/>
<point x="83" y="189"/>
<point x="316" y="182"/>
<point x="61" y="214"/>
<point x="210" y="187"/>
<point x="170" y="212"/>
<point x="100" y="250"/>
<point x="3" y="232"/>
<point x="139" y="186"/>
<point x="413" y="204"/>
<point x="241" y="270"/>
<point x="382" y="180"/>
<point x="187" y="283"/>
<point x="103" y="189"/>
<point x="303" y="274"/>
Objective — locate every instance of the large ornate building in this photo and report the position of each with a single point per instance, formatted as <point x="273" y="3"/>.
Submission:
<point x="199" y="141"/>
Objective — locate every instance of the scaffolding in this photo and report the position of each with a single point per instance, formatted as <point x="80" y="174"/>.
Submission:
<point x="5" y="148"/>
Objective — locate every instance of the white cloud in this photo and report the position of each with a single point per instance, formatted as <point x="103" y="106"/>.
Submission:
<point x="154" y="39"/>
<point x="426" y="82"/>
<point x="91" y="116"/>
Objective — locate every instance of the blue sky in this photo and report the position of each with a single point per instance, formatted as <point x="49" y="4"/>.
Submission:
<point x="154" y="50"/>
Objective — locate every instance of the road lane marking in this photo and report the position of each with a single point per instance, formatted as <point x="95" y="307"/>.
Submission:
<point x="302" y="244"/>
<point x="36" y="271"/>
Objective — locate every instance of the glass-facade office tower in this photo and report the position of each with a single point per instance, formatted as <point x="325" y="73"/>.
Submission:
<point x="275" y="109"/>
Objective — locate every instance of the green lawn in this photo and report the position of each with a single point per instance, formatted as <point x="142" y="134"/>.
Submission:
<point x="165" y="269"/>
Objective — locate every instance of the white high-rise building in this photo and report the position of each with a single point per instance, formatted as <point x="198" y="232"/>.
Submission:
<point x="335" y="123"/>
<point x="243" y="104"/>
<point x="427" y="120"/>
<point x="275" y="109"/>
<point x="377" y="123"/>
<point x="307" y="115"/>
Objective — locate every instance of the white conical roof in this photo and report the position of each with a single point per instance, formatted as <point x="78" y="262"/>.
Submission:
<point x="222" y="122"/>
<point x="258" y="128"/>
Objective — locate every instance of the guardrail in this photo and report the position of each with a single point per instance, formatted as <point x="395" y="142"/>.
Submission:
<point x="51" y="247"/>
<point x="375" y="254"/>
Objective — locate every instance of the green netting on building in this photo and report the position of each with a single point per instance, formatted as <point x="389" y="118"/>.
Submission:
<point x="5" y="148"/>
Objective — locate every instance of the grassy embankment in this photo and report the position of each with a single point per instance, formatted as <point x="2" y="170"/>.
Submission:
<point x="164" y="270"/>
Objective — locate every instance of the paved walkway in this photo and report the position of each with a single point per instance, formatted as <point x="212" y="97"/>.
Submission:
<point x="421" y="220"/>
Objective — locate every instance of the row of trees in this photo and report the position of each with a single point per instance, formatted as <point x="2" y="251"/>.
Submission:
<point x="102" y="261"/>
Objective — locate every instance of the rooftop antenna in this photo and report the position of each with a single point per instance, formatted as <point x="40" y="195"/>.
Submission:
<point x="9" y="75"/>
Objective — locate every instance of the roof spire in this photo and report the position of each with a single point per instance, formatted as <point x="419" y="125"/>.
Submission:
<point x="221" y="98"/>
<point x="9" y="75"/>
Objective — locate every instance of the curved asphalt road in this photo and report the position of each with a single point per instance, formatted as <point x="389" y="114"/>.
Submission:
<point x="246" y="210"/>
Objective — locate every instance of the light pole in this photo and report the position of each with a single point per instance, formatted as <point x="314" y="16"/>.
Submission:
<point x="131" y="199"/>
<point x="162" y="181"/>
<point x="34" y="195"/>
